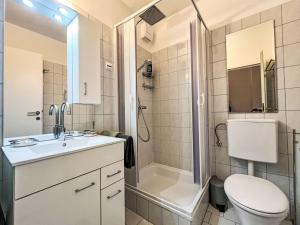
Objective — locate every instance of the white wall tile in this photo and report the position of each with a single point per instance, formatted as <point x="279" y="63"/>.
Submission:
<point x="218" y="36"/>
<point x="272" y="14"/>
<point x="292" y="76"/>
<point x="220" y="103"/>
<point x="219" y="52"/>
<point x="251" y="21"/>
<point x="234" y="27"/>
<point x="293" y="120"/>
<point x="220" y="86"/>
<point x="290" y="11"/>
<point x="292" y="99"/>
<point x="291" y="32"/>
<point x="278" y="36"/>
<point x="292" y="54"/>
<point x="219" y="69"/>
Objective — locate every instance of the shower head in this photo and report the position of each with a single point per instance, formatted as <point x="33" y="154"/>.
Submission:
<point x="152" y="15"/>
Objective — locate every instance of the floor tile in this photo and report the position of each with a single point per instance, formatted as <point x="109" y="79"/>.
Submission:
<point x="224" y="221"/>
<point x="145" y="222"/>
<point x="214" y="217"/>
<point x="231" y="215"/>
<point x="131" y="218"/>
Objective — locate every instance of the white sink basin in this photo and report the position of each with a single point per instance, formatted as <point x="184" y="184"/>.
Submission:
<point x="49" y="148"/>
<point x="59" y="146"/>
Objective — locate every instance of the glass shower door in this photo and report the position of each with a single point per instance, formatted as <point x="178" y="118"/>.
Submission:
<point x="200" y="101"/>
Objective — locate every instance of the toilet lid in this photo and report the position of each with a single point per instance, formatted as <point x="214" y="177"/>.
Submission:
<point x="256" y="193"/>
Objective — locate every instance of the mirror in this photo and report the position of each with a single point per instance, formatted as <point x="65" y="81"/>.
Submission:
<point x="36" y="68"/>
<point x="251" y="68"/>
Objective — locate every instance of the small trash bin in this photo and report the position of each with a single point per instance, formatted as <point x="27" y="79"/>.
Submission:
<point x="218" y="198"/>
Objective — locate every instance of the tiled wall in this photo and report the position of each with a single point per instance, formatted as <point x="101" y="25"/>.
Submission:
<point x="145" y="95"/>
<point x="172" y="116"/>
<point x="105" y="113"/>
<point x="287" y="22"/>
<point x="54" y="91"/>
<point x="83" y="116"/>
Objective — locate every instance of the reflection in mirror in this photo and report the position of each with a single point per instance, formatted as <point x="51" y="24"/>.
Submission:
<point x="35" y="66"/>
<point x="36" y="75"/>
<point x="251" y="69"/>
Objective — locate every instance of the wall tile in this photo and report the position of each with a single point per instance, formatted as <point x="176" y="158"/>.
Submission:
<point x="272" y="14"/>
<point x="290" y="11"/>
<point x="218" y="52"/>
<point x="183" y="221"/>
<point x="251" y="21"/>
<point x="291" y="32"/>
<point x="219" y="69"/>
<point x="234" y="27"/>
<point x="278" y="36"/>
<point x="292" y="54"/>
<point x="281" y="167"/>
<point x="155" y="214"/>
<point x="292" y="76"/>
<point x="142" y="207"/>
<point x="222" y="171"/>
<point x="222" y="156"/>
<point x="279" y="57"/>
<point x="281" y="181"/>
<point x="292" y="99"/>
<point x="293" y="120"/>
<point x="220" y="86"/>
<point x="220" y="103"/>
<point x="218" y="36"/>
<point x="169" y="218"/>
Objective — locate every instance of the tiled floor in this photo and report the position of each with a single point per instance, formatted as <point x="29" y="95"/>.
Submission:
<point x="131" y="218"/>
<point x="214" y="217"/>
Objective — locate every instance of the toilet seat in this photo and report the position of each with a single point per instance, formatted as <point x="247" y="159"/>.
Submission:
<point x="256" y="195"/>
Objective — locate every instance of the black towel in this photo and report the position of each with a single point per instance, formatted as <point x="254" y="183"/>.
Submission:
<point x="129" y="160"/>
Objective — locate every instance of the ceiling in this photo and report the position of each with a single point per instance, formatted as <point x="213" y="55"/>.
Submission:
<point x="214" y="12"/>
<point x="37" y="19"/>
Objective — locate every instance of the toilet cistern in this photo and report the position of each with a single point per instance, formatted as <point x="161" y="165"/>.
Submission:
<point x="255" y="140"/>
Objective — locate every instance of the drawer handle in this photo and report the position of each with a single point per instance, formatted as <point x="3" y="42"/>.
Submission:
<point x="114" y="174"/>
<point x="111" y="196"/>
<point x="81" y="189"/>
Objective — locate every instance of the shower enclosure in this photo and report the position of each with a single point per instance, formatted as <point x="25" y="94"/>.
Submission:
<point x="162" y="55"/>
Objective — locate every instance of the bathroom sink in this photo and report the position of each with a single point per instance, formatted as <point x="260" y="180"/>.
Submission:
<point x="59" y="146"/>
<point x="49" y="148"/>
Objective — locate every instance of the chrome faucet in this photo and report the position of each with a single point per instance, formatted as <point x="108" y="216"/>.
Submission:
<point x="59" y="127"/>
<point x="65" y="107"/>
<point x="56" y="129"/>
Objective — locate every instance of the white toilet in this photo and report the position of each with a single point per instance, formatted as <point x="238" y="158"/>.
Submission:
<point x="256" y="201"/>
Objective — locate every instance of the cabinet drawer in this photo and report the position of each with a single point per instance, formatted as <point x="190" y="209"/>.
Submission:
<point x="113" y="204"/>
<point x="39" y="175"/>
<point x="75" y="202"/>
<point x="112" y="173"/>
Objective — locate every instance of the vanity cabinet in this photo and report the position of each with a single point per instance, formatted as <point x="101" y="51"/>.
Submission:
<point x="82" y="188"/>
<point x="74" y="202"/>
<point x="83" y="56"/>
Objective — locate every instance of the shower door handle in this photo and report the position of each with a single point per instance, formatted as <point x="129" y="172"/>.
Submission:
<point x="202" y="100"/>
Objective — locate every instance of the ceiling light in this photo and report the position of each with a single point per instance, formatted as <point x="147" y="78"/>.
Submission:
<point x="28" y="3"/>
<point x="58" y="18"/>
<point x="63" y="11"/>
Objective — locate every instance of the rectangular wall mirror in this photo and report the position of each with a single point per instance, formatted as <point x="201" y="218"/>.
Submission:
<point x="52" y="56"/>
<point x="251" y="68"/>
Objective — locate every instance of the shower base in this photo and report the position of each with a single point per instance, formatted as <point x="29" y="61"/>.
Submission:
<point x="163" y="189"/>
